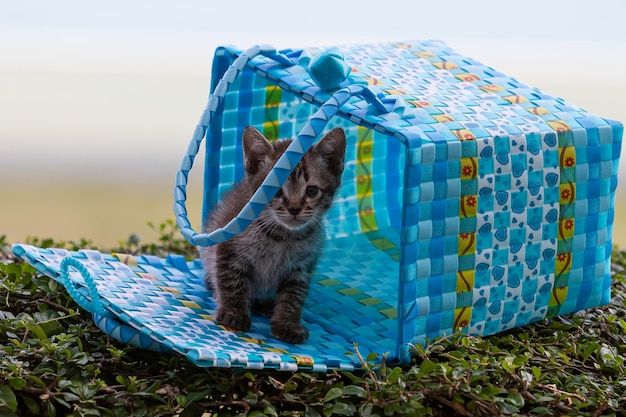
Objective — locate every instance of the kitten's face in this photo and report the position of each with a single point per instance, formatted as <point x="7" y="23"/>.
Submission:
<point x="308" y="192"/>
<point x="305" y="196"/>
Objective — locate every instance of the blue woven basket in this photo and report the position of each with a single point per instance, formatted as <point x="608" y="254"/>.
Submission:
<point x="469" y="201"/>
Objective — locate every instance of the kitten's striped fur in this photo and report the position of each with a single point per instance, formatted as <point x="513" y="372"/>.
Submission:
<point x="268" y="266"/>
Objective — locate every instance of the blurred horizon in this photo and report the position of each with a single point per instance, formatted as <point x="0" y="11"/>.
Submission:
<point x="98" y="101"/>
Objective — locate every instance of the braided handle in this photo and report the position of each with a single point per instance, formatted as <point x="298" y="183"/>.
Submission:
<point x="182" y="176"/>
<point x="283" y="167"/>
<point x="94" y="305"/>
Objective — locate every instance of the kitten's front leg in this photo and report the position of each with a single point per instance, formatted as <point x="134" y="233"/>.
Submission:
<point x="286" y="320"/>
<point x="233" y="310"/>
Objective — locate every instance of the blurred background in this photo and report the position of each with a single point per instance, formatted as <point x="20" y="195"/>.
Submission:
<point x="98" y="100"/>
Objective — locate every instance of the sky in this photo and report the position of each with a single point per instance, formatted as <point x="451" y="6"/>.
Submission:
<point x="122" y="83"/>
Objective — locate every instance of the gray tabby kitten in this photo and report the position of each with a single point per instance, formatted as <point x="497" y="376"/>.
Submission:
<point x="267" y="268"/>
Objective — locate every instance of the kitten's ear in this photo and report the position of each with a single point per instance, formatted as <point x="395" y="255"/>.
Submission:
<point x="257" y="150"/>
<point x="333" y="148"/>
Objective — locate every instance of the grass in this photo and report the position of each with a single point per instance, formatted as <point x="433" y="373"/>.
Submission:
<point x="54" y="361"/>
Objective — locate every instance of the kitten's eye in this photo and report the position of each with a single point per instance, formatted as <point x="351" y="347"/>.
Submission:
<point x="279" y="193"/>
<point x="312" y="190"/>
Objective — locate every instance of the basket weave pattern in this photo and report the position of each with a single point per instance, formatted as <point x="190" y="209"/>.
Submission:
<point x="469" y="201"/>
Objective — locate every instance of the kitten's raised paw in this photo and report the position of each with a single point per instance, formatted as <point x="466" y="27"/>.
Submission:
<point x="233" y="320"/>
<point x="294" y="333"/>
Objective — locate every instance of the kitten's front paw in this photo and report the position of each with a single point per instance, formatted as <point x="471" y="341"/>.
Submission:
<point x="235" y="320"/>
<point x="294" y="333"/>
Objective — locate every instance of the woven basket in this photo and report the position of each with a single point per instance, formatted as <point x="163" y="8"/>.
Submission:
<point x="469" y="201"/>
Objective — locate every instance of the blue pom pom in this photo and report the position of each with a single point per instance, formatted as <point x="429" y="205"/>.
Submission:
<point x="329" y="69"/>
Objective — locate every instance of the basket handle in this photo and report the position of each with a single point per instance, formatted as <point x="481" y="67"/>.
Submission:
<point x="93" y="304"/>
<point x="281" y="170"/>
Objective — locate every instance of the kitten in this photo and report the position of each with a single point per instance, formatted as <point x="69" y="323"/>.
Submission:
<point x="267" y="268"/>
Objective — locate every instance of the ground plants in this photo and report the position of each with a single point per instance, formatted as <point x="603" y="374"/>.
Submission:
<point x="55" y="362"/>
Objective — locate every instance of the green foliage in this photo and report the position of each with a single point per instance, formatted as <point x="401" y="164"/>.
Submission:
<point x="169" y="241"/>
<point x="55" y="362"/>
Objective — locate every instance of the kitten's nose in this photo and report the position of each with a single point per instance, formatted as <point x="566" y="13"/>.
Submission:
<point x="294" y="211"/>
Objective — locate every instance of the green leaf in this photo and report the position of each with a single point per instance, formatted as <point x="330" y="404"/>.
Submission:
<point x="31" y="404"/>
<point x="37" y="381"/>
<point x="508" y="363"/>
<point x="507" y="408"/>
<point x="64" y="383"/>
<point x="89" y="412"/>
<point x="354" y="391"/>
<point x="516" y="399"/>
<point x="395" y="374"/>
<point x="427" y="367"/>
<point x="536" y="372"/>
<point x="590" y="348"/>
<point x="365" y="410"/>
<point x="609" y="358"/>
<point x="198" y="395"/>
<point x="332" y="394"/>
<point x="17" y="383"/>
<point x="81" y="358"/>
<point x="52" y="411"/>
<point x="544" y="398"/>
<point x="355" y="379"/>
<point x="182" y="401"/>
<point x="71" y="397"/>
<point x="252" y="398"/>
<point x="269" y="410"/>
<point x="7" y="398"/>
<point x="343" y="409"/>
<point x="37" y="330"/>
<point x="541" y="410"/>
<point x="310" y="412"/>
